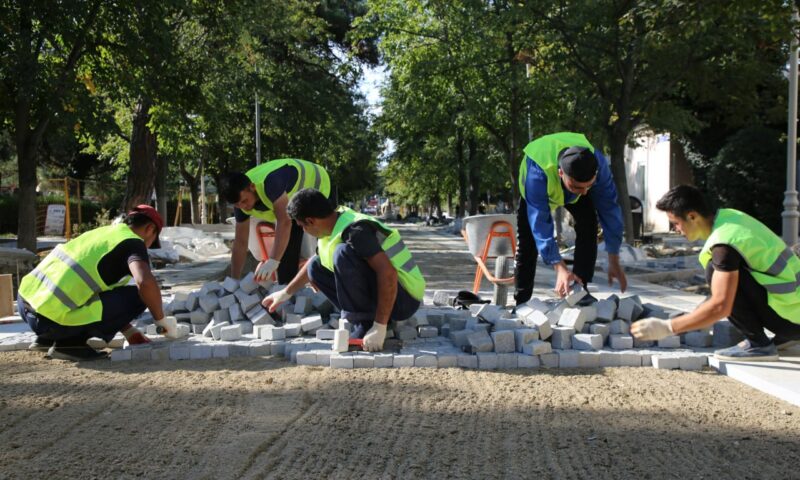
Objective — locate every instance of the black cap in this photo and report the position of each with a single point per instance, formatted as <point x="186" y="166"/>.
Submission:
<point x="578" y="163"/>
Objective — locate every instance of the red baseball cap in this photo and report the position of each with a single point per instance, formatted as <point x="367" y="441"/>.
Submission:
<point x="154" y="217"/>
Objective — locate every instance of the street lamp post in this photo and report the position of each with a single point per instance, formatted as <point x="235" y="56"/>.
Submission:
<point x="790" y="213"/>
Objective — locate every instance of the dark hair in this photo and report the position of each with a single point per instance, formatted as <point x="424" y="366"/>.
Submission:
<point x="308" y="203"/>
<point x="232" y="185"/>
<point x="683" y="199"/>
<point x="135" y="220"/>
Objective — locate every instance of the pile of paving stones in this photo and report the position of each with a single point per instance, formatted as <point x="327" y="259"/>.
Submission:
<point x="226" y="319"/>
<point x="540" y="333"/>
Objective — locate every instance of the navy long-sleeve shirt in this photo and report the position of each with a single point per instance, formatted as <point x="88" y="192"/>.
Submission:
<point x="603" y="193"/>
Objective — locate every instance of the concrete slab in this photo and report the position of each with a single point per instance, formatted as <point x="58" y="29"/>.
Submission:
<point x="779" y="379"/>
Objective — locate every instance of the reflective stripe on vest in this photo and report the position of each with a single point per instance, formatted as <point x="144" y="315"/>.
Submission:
<point x="65" y="286"/>
<point x="408" y="273"/>
<point x="544" y="152"/>
<point x="771" y="263"/>
<point x="309" y="175"/>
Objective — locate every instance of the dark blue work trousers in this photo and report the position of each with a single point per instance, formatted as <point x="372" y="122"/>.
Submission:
<point x="353" y="288"/>
<point x="120" y="306"/>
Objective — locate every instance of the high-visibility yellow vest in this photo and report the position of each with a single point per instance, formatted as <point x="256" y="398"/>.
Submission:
<point x="408" y="273"/>
<point x="772" y="264"/>
<point x="544" y="151"/>
<point x="309" y="175"/>
<point x="65" y="286"/>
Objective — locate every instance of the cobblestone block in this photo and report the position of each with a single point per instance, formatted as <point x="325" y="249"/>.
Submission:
<point x="606" y="310"/>
<point x="428" y="331"/>
<point x="568" y="359"/>
<point x="575" y="295"/>
<point x="227" y="301"/>
<point x="325" y="334"/>
<point x="666" y="363"/>
<point x="310" y="323"/>
<point x="260" y="348"/>
<point x="403" y="360"/>
<point x="222" y="316"/>
<point x="487" y="360"/>
<point x="219" y="350"/>
<point x="620" y="342"/>
<point x="426" y="361"/>
<point x="344" y="360"/>
<point x="589" y="359"/>
<point x="384" y="360"/>
<point x="307" y="358"/>
<point x="341" y="338"/>
<point x="504" y="341"/>
<point x="692" y="362"/>
<point x="259" y="316"/>
<point x="245" y="326"/>
<point x="447" y="360"/>
<point x="619" y="327"/>
<point x="540" y="321"/>
<point x="179" y="351"/>
<point x="630" y="359"/>
<point x="507" y="361"/>
<point x="199" y="351"/>
<point x="699" y="338"/>
<point x="209" y="303"/>
<point x="609" y="358"/>
<point x="457" y="322"/>
<point x="231" y="332"/>
<point x="549" y="360"/>
<point x="726" y="334"/>
<point x="537" y="347"/>
<point x="480" y="341"/>
<point x="527" y="361"/>
<point x="159" y="353"/>
<point x="278" y="348"/>
<point x="235" y="313"/>
<point x="572" y="317"/>
<point x="524" y="336"/>
<point x="248" y="284"/>
<point x="637" y="343"/>
<point x="673" y="341"/>
<point x="120" y="355"/>
<point x="406" y="333"/>
<point x="629" y="309"/>
<point x="587" y="341"/>
<point x="600" y="329"/>
<point x="562" y="338"/>
<point x="467" y="361"/>
<point x="292" y="329"/>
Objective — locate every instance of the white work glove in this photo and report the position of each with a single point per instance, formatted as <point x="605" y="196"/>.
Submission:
<point x="373" y="340"/>
<point x="265" y="269"/>
<point x="273" y="301"/>
<point x="168" y="326"/>
<point x="651" y="329"/>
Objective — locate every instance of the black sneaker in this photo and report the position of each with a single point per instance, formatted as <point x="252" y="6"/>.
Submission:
<point x="75" y="353"/>
<point x="747" y="352"/>
<point x="40" y="345"/>
<point x="587" y="300"/>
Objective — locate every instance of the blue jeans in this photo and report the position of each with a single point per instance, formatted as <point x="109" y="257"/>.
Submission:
<point x="353" y="288"/>
<point x="120" y="306"/>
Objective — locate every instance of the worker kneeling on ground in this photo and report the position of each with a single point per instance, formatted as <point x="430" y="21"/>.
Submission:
<point x="80" y="290"/>
<point x="754" y="278"/>
<point x="564" y="169"/>
<point x="263" y="192"/>
<point x="362" y="266"/>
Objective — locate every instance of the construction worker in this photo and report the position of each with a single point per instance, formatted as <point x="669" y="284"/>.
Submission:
<point x="80" y="290"/>
<point x="362" y="266"/>
<point x="754" y="278"/>
<point x="564" y="169"/>
<point x="263" y="192"/>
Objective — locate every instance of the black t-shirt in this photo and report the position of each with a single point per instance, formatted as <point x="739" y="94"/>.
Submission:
<point x="277" y="183"/>
<point x="724" y="258"/>
<point x="363" y="238"/>
<point x="114" y="264"/>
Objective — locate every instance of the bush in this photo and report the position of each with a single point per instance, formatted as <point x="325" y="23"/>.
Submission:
<point x="749" y="174"/>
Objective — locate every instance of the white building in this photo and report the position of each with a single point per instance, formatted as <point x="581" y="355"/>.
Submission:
<point x="654" y="166"/>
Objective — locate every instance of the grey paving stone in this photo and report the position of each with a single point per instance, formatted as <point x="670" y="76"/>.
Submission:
<point x="342" y="361"/>
<point x="504" y="341"/>
<point x="699" y="338"/>
<point x="619" y="327"/>
<point x="589" y="359"/>
<point x="527" y="361"/>
<point x="562" y="338"/>
<point x="447" y="360"/>
<point x="201" y="351"/>
<point x="524" y="336"/>
<point x="307" y="358"/>
<point x="540" y="321"/>
<point x="575" y="295"/>
<point x="179" y="351"/>
<point x="426" y="361"/>
<point x="666" y="363"/>
<point x="549" y="360"/>
<point x="568" y="359"/>
<point x="620" y="342"/>
<point x="260" y="348"/>
<point x="537" y="347"/>
<point x="427" y="331"/>
<point x="673" y="341"/>
<point x="725" y="334"/>
<point x="220" y="350"/>
<point x="480" y="341"/>
<point x="487" y="360"/>
<point x="384" y="360"/>
<point x="227" y="301"/>
<point x="120" y="355"/>
<point x="600" y="329"/>
<point x="587" y="341"/>
<point x="230" y="332"/>
<point x="507" y="360"/>
<point x="403" y="360"/>
<point x="692" y="362"/>
<point x="467" y="361"/>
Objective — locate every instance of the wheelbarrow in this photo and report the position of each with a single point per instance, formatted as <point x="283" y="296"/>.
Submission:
<point x="492" y="237"/>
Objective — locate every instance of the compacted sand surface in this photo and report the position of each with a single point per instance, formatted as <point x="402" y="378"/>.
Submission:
<point x="264" y="418"/>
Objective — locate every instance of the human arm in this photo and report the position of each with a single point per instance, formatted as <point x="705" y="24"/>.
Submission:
<point x="283" y="227"/>
<point x="273" y="301"/>
<point x="386" y="277"/>
<point x="719" y="306"/>
<point x="239" y="250"/>
<point x="149" y="291"/>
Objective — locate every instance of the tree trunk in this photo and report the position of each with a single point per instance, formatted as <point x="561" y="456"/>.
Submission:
<point x="222" y="205"/>
<point x="193" y="181"/>
<point x="463" y="173"/>
<point x="514" y="110"/>
<point x="619" y="138"/>
<point x="141" y="177"/>
<point x="474" y="172"/>
<point x="162" y="170"/>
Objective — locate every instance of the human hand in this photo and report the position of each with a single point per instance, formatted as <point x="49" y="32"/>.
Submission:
<point x="265" y="269"/>
<point x="373" y="340"/>
<point x="651" y="329"/>
<point x="564" y="280"/>
<point x="168" y="326"/>
<point x="271" y="302"/>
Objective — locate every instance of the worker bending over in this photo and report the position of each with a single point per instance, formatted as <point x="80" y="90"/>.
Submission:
<point x="80" y="290"/>
<point x="263" y="192"/>
<point x="754" y="278"/>
<point x="564" y="169"/>
<point x="362" y="266"/>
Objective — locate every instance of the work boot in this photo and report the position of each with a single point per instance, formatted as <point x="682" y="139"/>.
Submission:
<point x="587" y="300"/>
<point x="782" y="343"/>
<point x="745" y="351"/>
<point x="40" y="345"/>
